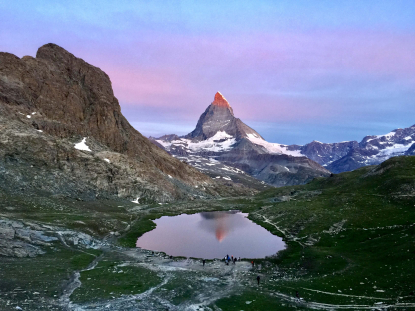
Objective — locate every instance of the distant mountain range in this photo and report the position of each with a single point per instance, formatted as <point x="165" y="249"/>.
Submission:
<point x="222" y="139"/>
<point x="350" y="155"/>
<point x="222" y="146"/>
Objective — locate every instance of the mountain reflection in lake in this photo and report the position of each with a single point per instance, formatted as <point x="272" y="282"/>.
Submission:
<point x="211" y="235"/>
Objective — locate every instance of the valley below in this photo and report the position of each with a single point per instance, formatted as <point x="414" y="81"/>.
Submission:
<point x="350" y="245"/>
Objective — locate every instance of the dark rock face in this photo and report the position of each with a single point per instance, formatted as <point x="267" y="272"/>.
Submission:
<point x="275" y="169"/>
<point x="49" y="103"/>
<point x="411" y="150"/>
<point x="71" y="98"/>
<point x="327" y="153"/>
<point x="223" y="146"/>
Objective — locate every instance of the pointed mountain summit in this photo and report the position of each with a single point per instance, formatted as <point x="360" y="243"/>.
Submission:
<point x="224" y="147"/>
<point x="220" y="101"/>
<point x="219" y="117"/>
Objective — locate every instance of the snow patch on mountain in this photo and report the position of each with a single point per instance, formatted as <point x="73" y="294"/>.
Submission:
<point x="82" y="145"/>
<point x="394" y="150"/>
<point x="273" y="147"/>
<point x="389" y="135"/>
<point x="221" y="141"/>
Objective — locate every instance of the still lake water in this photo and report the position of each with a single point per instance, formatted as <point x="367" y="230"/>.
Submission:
<point x="211" y="235"/>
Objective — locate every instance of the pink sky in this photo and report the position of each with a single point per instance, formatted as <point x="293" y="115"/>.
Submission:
<point x="297" y="71"/>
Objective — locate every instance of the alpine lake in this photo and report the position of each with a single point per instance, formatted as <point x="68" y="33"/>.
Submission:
<point x="211" y="235"/>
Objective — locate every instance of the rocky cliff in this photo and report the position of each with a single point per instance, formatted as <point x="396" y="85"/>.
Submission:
<point x="50" y="103"/>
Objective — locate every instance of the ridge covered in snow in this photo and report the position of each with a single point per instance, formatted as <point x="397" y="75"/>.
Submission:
<point x="224" y="147"/>
<point x="273" y="148"/>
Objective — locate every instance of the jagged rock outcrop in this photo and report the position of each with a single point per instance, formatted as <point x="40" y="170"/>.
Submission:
<point x="223" y="146"/>
<point x="51" y="102"/>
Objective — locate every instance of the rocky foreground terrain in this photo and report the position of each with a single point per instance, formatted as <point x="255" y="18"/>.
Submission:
<point x="350" y="245"/>
<point x="62" y="133"/>
<point x="224" y="147"/>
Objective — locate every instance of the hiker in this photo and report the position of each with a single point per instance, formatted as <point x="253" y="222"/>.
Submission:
<point x="297" y="295"/>
<point x="258" y="278"/>
<point x="204" y="261"/>
<point x="239" y="259"/>
<point x="232" y="257"/>
<point x="252" y="262"/>
<point x="234" y="260"/>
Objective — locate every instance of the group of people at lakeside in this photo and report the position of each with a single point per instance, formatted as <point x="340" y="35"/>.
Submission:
<point x="231" y="259"/>
<point x="227" y="259"/>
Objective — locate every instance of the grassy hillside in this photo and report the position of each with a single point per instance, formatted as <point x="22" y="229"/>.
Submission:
<point x="351" y="237"/>
<point x="350" y="245"/>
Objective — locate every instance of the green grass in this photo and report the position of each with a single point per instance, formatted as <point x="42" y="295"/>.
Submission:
<point x="45" y="274"/>
<point x="376" y="243"/>
<point x="142" y="225"/>
<point x="109" y="279"/>
<point x="253" y="300"/>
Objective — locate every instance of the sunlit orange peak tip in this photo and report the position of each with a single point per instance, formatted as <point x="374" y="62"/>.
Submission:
<point x="220" y="100"/>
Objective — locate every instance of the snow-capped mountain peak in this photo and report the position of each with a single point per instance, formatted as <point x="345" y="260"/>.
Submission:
<point x="237" y="148"/>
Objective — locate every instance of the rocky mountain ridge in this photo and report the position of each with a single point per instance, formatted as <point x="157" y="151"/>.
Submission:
<point x="350" y="155"/>
<point x="50" y="103"/>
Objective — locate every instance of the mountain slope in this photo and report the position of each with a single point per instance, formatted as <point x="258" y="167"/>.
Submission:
<point x="53" y="101"/>
<point x="221" y="137"/>
<point x="350" y="233"/>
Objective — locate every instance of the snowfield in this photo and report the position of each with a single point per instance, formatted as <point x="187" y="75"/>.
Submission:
<point x="274" y="147"/>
